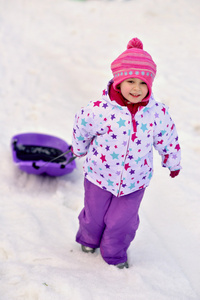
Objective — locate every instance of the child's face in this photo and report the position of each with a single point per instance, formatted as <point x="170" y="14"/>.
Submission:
<point x="134" y="90"/>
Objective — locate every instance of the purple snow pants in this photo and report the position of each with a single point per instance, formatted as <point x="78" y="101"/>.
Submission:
<point x="109" y="222"/>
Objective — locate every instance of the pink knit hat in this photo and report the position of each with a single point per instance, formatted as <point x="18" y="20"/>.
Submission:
<point x="134" y="63"/>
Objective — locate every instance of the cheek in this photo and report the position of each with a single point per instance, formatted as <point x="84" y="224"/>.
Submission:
<point x="124" y="90"/>
<point x="145" y="90"/>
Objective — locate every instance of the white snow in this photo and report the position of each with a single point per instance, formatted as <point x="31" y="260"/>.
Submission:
<point x="54" y="57"/>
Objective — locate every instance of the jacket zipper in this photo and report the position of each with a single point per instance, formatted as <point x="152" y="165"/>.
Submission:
<point x="127" y="151"/>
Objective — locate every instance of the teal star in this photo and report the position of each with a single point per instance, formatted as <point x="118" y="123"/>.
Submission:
<point x="80" y="138"/>
<point x="89" y="170"/>
<point x="132" y="186"/>
<point x="121" y="122"/>
<point x="144" y="127"/>
<point x="83" y="122"/>
<point x="163" y="132"/>
<point x="137" y="160"/>
<point x="110" y="183"/>
<point x="114" y="155"/>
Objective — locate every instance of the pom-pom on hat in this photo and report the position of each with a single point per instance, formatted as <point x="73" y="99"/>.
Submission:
<point x="134" y="63"/>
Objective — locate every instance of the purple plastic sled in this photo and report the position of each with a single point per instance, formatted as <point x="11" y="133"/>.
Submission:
<point x="38" y="153"/>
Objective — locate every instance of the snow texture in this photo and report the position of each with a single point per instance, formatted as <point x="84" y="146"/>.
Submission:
<point x="54" y="57"/>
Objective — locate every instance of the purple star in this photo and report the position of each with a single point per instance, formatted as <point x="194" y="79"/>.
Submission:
<point x="138" y="142"/>
<point x="130" y="157"/>
<point x="114" y="136"/>
<point x="112" y="117"/>
<point x="105" y="105"/>
<point x="132" y="172"/>
<point x="107" y="166"/>
<point x="107" y="148"/>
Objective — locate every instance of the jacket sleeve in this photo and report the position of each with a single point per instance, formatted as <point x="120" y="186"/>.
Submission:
<point x="84" y="131"/>
<point x="166" y="140"/>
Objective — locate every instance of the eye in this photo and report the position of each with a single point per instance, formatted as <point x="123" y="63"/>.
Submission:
<point x="143" y="82"/>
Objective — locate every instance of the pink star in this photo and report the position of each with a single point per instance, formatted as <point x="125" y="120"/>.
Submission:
<point x="109" y="129"/>
<point x="160" y="142"/>
<point x="177" y="147"/>
<point x="134" y="136"/>
<point x="127" y="166"/>
<point x="97" y="103"/>
<point x="103" y="158"/>
<point x="164" y="110"/>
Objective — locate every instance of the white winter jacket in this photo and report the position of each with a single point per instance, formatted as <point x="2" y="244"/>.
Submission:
<point x="119" y="158"/>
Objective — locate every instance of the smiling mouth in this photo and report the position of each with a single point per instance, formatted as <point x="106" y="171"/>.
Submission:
<point x="134" y="95"/>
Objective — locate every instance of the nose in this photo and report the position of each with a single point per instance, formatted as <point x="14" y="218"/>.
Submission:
<point x="136" y="87"/>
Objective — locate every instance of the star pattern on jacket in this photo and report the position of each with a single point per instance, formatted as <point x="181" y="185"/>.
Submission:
<point x="119" y="153"/>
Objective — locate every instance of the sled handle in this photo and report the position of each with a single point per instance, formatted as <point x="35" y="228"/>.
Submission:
<point x="45" y="164"/>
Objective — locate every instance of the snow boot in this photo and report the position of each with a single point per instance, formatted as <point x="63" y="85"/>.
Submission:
<point x="123" y="265"/>
<point x="87" y="249"/>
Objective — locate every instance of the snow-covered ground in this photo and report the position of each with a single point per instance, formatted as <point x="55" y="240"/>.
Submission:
<point x="54" y="57"/>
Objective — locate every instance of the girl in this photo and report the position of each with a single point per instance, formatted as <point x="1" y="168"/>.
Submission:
<point x="117" y="134"/>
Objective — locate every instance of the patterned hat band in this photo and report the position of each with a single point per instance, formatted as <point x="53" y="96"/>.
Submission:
<point x="133" y="72"/>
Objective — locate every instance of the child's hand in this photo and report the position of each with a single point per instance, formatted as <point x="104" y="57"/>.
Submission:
<point x="174" y="173"/>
